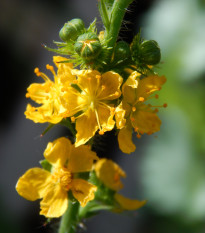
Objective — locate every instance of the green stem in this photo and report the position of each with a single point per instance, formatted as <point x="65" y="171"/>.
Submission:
<point x="117" y="15"/>
<point x="69" y="220"/>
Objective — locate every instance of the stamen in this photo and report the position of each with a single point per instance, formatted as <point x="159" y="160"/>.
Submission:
<point x="72" y="119"/>
<point x="37" y="72"/>
<point x="133" y="109"/>
<point x="75" y="81"/>
<point x="98" y="76"/>
<point x="27" y="95"/>
<point x="98" y="121"/>
<point x="132" y="119"/>
<point x="101" y="132"/>
<point x="141" y="99"/>
<point x="139" y="136"/>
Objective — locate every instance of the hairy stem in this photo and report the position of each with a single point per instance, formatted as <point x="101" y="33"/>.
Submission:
<point x="69" y="220"/>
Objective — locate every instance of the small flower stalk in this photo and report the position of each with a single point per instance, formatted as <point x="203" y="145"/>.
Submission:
<point x="98" y="84"/>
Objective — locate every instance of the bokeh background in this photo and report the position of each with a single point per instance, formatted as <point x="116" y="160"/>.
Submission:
<point x="167" y="169"/>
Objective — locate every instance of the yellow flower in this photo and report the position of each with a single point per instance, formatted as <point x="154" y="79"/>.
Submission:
<point x="90" y="103"/>
<point x="67" y="161"/>
<point x="48" y="94"/>
<point x="133" y="113"/>
<point x="110" y="173"/>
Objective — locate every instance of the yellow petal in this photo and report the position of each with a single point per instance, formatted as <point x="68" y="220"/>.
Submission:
<point x="146" y="121"/>
<point x="55" y="202"/>
<point x="64" y="70"/>
<point x="106" y="115"/>
<point x="81" y="159"/>
<point x="109" y="173"/>
<point x="128" y="204"/>
<point x="129" y="94"/>
<point x="83" y="191"/>
<point x="39" y="92"/>
<point x="58" y="152"/>
<point x="42" y="114"/>
<point x="149" y="84"/>
<point x="86" y="126"/>
<point x="87" y="80"/>
<point x="119" y="116"/>
<point x="33" y="184"/>
<point x="125" y="139"/>
<point x="131" y="81"/>
<point x="112" y="82"/>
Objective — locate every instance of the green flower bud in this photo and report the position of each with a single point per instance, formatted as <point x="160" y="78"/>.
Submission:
<point x="149" y="52"/>
<point x="88" y="46"/>
<point x="122" y="51"/>
<point x="71" y="30"/>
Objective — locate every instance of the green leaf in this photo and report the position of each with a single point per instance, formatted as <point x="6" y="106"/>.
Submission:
<point x="46" y="165"/>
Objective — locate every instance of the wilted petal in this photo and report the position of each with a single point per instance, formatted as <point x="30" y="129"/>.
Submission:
<point x="128" y="204"/>
<point x="83" y="191"/>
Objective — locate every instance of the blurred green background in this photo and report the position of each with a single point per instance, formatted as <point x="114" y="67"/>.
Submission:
<point x="167" y="170"/>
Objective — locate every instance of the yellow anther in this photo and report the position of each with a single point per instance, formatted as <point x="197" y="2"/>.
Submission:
<point x="72" y="119"/>
<point x="136" y="129"/>
<point x="37" y="71"/>
<point x="112" y="110"/>
<point x="27" y="95"/>
<point x="103" y="87"/>
<point x="116" y="93"/>
<point x="133" y="109"/>
<point x="98" y="76"/>
<point x="141" y="99"/>
<point x="89" y="78"/>
<point x="139" y="136"/>
<point x="101" y="132"/>
<point x="64" y="89"/>
<point x="75" y="81"/>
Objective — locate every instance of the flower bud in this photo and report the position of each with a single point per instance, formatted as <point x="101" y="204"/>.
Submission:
<point x="149" y="52"/>
<point x="71" y="30"/>
<point x="88" y="46"/>
<point x="122" y="51"/>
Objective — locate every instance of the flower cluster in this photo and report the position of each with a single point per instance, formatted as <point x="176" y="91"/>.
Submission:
<point x="112" y="90"/>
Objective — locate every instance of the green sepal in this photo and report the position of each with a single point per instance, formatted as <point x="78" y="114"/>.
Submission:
<point x="46" y="165"/>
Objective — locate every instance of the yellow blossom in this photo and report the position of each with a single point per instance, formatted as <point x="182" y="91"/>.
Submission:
<point x="133" y="113"/>
<point x="48" y="94"/>
<point x="90" y="103"/>
<point x="52" y="187"/>
<point x="110" y="173"/>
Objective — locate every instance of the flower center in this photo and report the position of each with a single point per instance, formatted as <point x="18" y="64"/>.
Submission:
<point x="62" y="176"/>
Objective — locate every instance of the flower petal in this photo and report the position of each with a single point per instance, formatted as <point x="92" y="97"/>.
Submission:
<point x="128" y="204"/>
<point x="112" y="82"/>
<point x="39" y="92"/>
<point x="86" y="126"/>
<point x="64" y="70"/>
<point x="42" y="114"/>
<point x="109" y="173"/>
<point x="119" y="116"/>
<point x="33" y="184"/>
<point x="55" y="202"/>
<point x="58" y="152"/>
<point x="106" y="118"/>
<point x="146" y="121"/>
<point x="149" y="84"/>
<point x="81" y="159"/>
<point x="83" y="191"/>
<point x="125" y="139"/>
